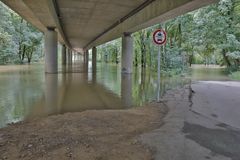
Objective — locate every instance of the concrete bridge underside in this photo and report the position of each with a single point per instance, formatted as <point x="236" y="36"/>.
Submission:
<point x="84" y="24"/>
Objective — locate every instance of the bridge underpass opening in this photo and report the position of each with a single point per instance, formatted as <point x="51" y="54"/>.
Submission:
<point x="199" y="120"/>
<point x="82" y="25"/>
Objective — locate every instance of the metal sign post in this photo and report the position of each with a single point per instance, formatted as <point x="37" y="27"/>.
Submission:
<point x="159" y="73"/>
<point x="159" y="38"/>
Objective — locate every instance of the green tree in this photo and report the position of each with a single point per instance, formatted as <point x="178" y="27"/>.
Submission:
<point x="19" y="39"/>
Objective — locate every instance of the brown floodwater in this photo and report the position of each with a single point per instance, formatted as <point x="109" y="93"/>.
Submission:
<point x="26" y="92"/>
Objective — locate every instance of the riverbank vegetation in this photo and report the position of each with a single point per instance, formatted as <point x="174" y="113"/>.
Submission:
<point x="235" y="75"/>
<point x="210" y="35"/>
<point x="20" y="42"/>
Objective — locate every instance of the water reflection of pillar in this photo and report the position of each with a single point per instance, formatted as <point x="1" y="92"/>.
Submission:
<point x="64" y="76"/>
<point x="126" y="90"/>
<point x="94" y="78"/>
<point x="64" y="69"/>
<point x="51" y="93"/>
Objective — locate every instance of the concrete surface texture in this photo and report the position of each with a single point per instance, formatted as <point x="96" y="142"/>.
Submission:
<point x="84" y="24"/>
<point x="127" y="56"/>
<point x="202" y="123"/>
<point x="51" y="52"/>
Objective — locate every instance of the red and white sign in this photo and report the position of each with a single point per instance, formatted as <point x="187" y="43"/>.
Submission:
<point x="160" y="37"/>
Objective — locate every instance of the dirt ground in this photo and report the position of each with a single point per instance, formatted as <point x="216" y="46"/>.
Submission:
<point x="89" y="135"/>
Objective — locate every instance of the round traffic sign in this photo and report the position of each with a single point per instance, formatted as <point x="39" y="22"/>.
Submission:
<point x="160" y="37"/>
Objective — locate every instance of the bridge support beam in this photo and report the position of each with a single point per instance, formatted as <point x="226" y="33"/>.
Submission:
<point x="51" y="57"/>
<point x="127" y="53"/>
<point x="64" y="55"/>
<point x="94" y="59"/>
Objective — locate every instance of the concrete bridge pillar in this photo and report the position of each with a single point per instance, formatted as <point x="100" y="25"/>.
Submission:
<point x="86" y="56"/>
<point x="69" y="56"/>
<point x="86" y="59"/>
<point x="51" y="58"/>
<point x="127" y="53"/>
<point x="64" y="55"/>
<point x="94" y="59"/>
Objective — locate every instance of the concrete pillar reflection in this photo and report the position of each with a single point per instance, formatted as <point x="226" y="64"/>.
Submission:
<point x="51" y="93"/>
<point x="94" y="59"/>
<point x="127" y="53"/>
<point x="50" y="45"/>
<point x="126" y="90"/>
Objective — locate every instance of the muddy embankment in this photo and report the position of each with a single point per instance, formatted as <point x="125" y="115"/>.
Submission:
<point x="89" y="135"/>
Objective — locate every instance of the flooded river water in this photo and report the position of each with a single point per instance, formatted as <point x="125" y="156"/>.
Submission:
<point x="26" y="92"/>
<point x="196" y="119"/>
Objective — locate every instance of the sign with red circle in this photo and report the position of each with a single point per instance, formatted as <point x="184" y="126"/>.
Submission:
<point x="160" y="37"/>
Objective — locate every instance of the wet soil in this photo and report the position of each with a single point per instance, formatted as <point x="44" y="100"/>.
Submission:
<point x="89" y="135"/>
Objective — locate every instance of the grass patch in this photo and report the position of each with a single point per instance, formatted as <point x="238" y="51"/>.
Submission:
<point x="235" y="75"/>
